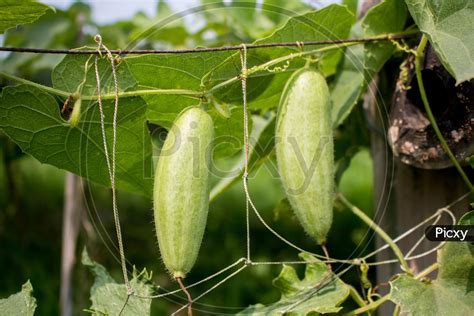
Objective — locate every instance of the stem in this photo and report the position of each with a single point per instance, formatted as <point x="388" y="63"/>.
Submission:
<point x="190" y="93"/>
<point x="111" y="96"/>
<point x="378" y="230"/>
<point x="383" y="299"/>
<point x="356" y="296"/>
<point x="34" y="84"/>
<point x="275" y="61"/>
<point x="188" y="295"/>
<point x="371" y="306"/>
<point x="427" y="271"/>
<point x="396" y="311"/>
<point x="424" y="98"/>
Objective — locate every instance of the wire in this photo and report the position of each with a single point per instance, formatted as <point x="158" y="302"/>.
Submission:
<point x="31" y="50"/>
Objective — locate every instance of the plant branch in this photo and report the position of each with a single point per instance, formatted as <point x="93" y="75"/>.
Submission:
<point x="356" y="296"/>
<point x="37" y="85"/>
<point x="371" y="306"/>
<point x="110" y="96"/>
<point x="276" y="61"/>
<point x="383" y="37"/>
<point x="378" y="230"/>
<point x="424" y="98"/>
<point x="385" y="298"/>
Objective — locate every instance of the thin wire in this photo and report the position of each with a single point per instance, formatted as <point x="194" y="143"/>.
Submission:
<point x="422" y="238"/>
<point x="248" y="199"/>
<point x="111" y="162"/>
<point x="194" y="284"/>
<point x="245" y="177"/>
<point x="213" y="287"/>
<point x="408" y="232"/>
<point x="388" y="37"/>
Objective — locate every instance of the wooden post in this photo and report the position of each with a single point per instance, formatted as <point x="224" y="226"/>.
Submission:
<point x="405" y="196"/>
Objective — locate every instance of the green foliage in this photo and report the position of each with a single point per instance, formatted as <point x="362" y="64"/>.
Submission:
<point x="357" y="181"/>
<point x="264" y="91"/>
<point x="448" y="25"/>
<point x="31" y="118"/>
<point x="108" y="296"/>
<point x="70" y="72"/>
<point x="362" y="63"/>
<point x="470" y="160"/>
<point x="17" y="12"/>
<point x="22" y="303"/>
<point x="387" y="17"/>
<point x="451" y="293"/>
<point x="320" y="291"/>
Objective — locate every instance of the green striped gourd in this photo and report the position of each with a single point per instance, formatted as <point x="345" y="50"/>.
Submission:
<point x="304" y="151"/>
<point x="181" y="190"/>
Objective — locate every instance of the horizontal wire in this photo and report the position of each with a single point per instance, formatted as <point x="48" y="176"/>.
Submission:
<point x="198" y="50"/>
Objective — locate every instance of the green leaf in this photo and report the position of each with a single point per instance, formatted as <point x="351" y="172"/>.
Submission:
<point x="452" y="293"/>
<point x="448" y="25"/>
<point x="470" y="160"/>
<point x="172" y="71"/>
<point x="31" y="118"/>
<point x="108" y="296"/>
<point x="185" y="71"/>
<point x="22" y="303"/>
<point x="351" y="5"/>
<point x="265" y="88"/>
<point x="17" y="12"/>
<point x="228" y="132"/>
<point x="387" y="17"/>
<point x="53" y="30"/>
<point x="260" y="147"/>
<point x="467" y="219"/>
<point x="361" y="63"/>
<point x="349" y="82"/>
<point x="319" y="292"/>
<point x="69" y="73"/>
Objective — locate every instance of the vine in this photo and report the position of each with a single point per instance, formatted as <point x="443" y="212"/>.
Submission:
<point x="424" y="98"/>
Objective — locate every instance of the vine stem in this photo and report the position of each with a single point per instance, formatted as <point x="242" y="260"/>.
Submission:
<point x="378" y="230"/>
<point x="385" y="298"/>
<point x="188" y="295"/>
<point x="109" y="96"/>
<point x="418" y="59"/>
<point x="356" y="296"/>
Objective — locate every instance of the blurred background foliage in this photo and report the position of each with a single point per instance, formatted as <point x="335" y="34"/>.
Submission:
<point x="31" y="194"/>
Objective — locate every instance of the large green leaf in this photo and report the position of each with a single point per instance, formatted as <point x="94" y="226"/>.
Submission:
<point x="387" y="17"/>
<point x="22" y="303"/>
<point x="362" y="62"/>
<point x="31" y="118"/>
<point x="448" y="25"/>
<point x="264" y="89"/>
<point x="108" y="296"/>
<point x="17" y="12"/>
<point x="319" y="292"/>
<point x="452" y="293"/>
<point x="184" y="71"/>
